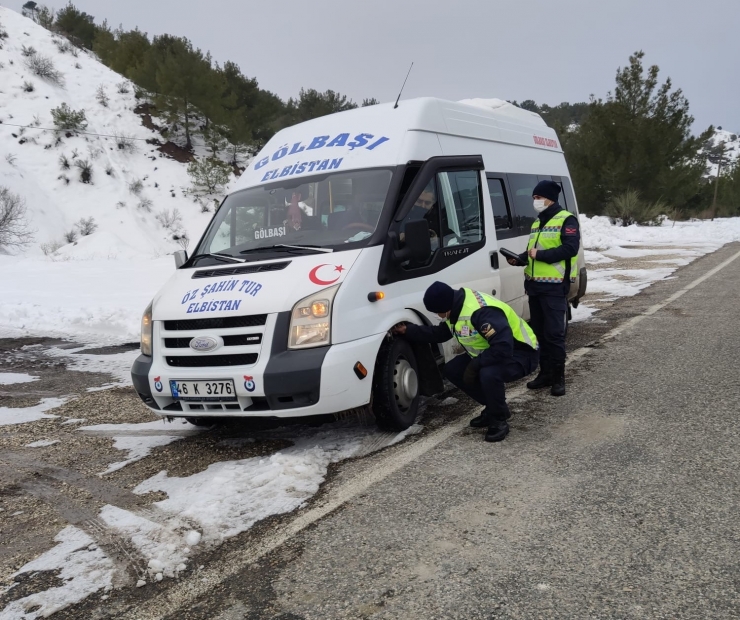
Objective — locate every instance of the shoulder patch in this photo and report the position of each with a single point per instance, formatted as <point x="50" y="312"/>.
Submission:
<point x="487" y="331"/>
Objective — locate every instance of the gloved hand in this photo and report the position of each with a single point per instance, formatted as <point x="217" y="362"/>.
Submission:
<point x="399" y="329"/>
<point x="470" y="376"/>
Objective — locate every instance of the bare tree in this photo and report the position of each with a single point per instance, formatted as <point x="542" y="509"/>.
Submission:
<point x="14" y="231"/>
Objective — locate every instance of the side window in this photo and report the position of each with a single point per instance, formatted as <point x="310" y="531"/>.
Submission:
<point x="501" y="211"/>
<point x="462" y="218"/>
<point x="521" y="188"/>
<point x="425" y="207"/>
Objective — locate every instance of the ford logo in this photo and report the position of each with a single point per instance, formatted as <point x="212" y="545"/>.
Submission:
<point x="205" y="343"/>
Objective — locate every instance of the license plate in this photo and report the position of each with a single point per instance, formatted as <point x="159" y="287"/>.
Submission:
<point x="216" y="390"/>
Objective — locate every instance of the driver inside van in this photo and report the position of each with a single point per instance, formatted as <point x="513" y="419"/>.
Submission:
<point x="425" y="207"/>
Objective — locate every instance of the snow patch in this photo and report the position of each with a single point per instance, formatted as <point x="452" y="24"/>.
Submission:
<point x="21" y="415"/>
<point x="11" y="378"/>
<point x="79" y="563"/>
<point x="42" y="443"/>
<point x="116" y="364"/>
<point x="139" y="439"/>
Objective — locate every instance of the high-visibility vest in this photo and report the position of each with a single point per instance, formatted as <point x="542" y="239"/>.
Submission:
<point x="547" y="238"/>
<point x="475" y="343"/>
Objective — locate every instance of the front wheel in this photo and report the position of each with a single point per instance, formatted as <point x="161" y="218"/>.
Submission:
<point x="396" y="386"/>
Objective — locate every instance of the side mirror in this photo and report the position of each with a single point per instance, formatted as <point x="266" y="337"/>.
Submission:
<point x="181" y="257"/>
<point x="417" y="245"/>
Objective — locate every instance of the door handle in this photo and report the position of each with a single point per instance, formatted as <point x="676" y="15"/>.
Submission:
<point x="494" y="260"/>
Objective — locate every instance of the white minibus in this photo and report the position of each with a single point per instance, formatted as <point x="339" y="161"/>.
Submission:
<point x="330" y="238"/>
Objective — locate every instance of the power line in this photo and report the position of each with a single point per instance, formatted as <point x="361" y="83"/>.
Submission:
<point x="87" y="133"/>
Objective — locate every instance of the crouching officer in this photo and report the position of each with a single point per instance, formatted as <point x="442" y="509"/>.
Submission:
<point x="500" y="348"/>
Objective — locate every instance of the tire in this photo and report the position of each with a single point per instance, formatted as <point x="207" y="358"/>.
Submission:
<point x="396" y="386"/>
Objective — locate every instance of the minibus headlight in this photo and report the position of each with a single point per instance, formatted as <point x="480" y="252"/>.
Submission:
<point x="310" y="320"/>
<point x="146" y="331"/>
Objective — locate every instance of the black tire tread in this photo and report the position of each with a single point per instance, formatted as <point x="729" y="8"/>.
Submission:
<point x="384" y="404"/>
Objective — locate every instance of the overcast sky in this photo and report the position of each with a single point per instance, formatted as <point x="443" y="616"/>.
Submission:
<point x="547" y="50"/>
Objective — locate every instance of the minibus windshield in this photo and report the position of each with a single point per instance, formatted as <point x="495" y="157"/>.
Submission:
<point x="334" y="211"/>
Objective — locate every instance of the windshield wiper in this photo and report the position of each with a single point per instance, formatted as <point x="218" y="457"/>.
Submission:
<point x="316" y="248"/>
<point x="221" y="256"/>
<point x="280" y="246"/>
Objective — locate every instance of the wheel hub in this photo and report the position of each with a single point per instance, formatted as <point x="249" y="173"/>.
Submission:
<point x="405" y="383"/>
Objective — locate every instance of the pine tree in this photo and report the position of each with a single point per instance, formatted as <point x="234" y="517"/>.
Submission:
<point x="208" y="176"/>
<point x="77" y="25"/>
<point x="183" y="81"/>
<point x="313" y="104"/>
<point x="638" y="139"/>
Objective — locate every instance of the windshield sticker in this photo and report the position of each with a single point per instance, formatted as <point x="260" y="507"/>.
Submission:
<point x="267" y="233"/>
<point x="316" y="279"/>
<point x="363" y="140"/>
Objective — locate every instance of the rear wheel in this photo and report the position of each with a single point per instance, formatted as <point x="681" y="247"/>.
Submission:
<point x="396" y="386"/>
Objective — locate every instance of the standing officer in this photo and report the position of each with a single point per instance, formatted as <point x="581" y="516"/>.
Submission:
<point x="551" y="267"/>
<point x="500" y="347"/>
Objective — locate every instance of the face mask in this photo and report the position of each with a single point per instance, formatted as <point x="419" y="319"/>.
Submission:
<point x="539" y="205"/>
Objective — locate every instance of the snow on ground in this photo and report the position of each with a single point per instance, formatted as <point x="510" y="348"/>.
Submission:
<point x="229" y="497"/>
<point x="116" y="364"/>
<point x="11" y="378"/>
<point x="42" y="443"/>
<point x="679" y="242"/>
<point x="56" y="197"/>
<point x="19" y="415"/>
<point x="140" y="439"/>
<point x="91" y="301"/>
<point x="78" y="562"/>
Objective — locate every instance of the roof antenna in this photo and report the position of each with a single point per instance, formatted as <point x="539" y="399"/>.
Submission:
<point x="404" y="84"/>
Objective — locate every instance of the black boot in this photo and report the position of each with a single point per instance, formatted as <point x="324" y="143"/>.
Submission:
<point x="498" y="431"/>
<point x="558" y="380"/>
<point x="485" y="419"/>
<point x="482" y="420"/>
<point x="543" y="379"/>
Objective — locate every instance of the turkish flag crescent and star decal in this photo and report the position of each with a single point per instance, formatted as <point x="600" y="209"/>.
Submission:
<point x="314" y="276"/>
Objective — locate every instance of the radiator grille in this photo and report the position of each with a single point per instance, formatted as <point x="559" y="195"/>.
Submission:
<point x="227" y="322"/>
<point x="200" y="361"/>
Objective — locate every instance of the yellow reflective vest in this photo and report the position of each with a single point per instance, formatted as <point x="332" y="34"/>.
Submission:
<point x="473" y="342"/>
<point x="548" y="238"/>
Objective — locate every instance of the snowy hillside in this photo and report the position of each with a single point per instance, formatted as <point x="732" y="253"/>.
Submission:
<point x="732" y="147"/>
<point x="135" y="192"/>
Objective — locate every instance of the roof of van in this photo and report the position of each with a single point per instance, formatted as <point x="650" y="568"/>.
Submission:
<point x="373" y="135"/>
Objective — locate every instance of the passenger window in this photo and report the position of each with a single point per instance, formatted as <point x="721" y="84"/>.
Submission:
<point x="462" y="219"/>
<point x="521" y="187"/>
<point x="501" y="212"/>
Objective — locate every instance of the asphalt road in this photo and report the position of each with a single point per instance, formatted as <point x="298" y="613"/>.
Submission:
<point x="619" y="500"/>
